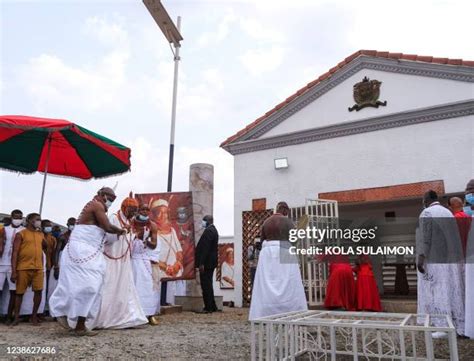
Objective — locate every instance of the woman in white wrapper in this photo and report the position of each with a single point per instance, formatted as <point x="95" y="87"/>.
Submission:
<point x="120" y="303"/>
<point x="77" y="297"/>
<point x="145" y="258"/>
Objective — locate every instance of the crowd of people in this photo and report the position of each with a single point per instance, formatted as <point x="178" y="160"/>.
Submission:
<point x="106" y="269"/>
<point x="29" y="251"/>
<point x="445" y="264"/>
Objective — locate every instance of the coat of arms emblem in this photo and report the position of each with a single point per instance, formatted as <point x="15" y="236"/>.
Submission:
<point x="366" y="94"/>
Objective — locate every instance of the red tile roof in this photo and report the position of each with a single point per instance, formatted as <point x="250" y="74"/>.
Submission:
<point x="372" y="53"/>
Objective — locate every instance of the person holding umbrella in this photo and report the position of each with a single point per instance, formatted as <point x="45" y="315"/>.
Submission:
<point x="76" y="300"/>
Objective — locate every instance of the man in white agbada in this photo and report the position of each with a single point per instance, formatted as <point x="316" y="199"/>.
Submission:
<point x="468" y="209"/>
<point x="145" y="258"/>
<point x="278" y="287"/>
<point x="78" y="294"/>
<point x="170" y="250"/>
<point x="440" y="265"/>
<point x="120" y="307"/>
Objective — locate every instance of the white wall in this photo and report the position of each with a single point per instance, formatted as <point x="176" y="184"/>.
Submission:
<point x="228" y="295"/>
<point x="440" y="150"/>
<point x="401" y="92"/>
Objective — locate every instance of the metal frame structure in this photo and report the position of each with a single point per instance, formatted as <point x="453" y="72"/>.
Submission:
<point x="325" y="335"/>
<point x="321" y="213"/>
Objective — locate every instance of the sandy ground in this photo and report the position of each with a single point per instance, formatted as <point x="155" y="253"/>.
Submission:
<point x="182" y="336"/>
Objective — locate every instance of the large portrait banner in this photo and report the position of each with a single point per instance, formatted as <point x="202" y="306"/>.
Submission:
<point x="173" y="214"/>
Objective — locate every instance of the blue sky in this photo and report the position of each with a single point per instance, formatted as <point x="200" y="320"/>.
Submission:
<point x="106" y="66"/>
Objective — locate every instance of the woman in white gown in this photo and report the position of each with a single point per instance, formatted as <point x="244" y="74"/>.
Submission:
<point x="145" y="257"/>
<point x="120" y="306"/>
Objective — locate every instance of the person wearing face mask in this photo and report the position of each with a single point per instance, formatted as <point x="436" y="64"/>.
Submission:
<point x="56" y="232"/>
<point x="10" y="231"/>
<point x="51" y="242"/>
<point x="206" y="262"/>
<point x="77" y="298"/>
<point x="120" y="306"/>
<point x="28" y="265"/>
<point x="64" y="238"/>
<point x="469" y="198"/>
<point x="469" y="274"/>
<point x="145" y="258"/>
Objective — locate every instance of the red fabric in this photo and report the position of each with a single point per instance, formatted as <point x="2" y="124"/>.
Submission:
<point x="63" y="159"/>
<point x="340" y="292"/>
<point x="24" y="122"/>
<point x="464" y="225"/>
<point x="8" y="133"/>
<point x="367" y="292"/>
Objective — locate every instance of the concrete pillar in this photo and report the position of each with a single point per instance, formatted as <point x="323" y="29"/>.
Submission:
<point x="201" y="184"/>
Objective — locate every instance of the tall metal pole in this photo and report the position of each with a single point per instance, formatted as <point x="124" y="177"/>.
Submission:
<point x="45" y="172"/>
<point x="173" y="109"/>
<point x="173" y="122"/>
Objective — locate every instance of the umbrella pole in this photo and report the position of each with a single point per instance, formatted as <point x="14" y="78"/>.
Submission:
<point x="45" y="173"/>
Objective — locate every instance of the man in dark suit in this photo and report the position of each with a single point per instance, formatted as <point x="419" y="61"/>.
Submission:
<point x="206" y="261"/>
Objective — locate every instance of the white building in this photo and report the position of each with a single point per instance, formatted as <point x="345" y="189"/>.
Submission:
<point x="374" y="160"/>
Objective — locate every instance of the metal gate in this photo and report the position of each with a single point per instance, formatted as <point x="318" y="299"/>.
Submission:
<point x="317" y="213"/>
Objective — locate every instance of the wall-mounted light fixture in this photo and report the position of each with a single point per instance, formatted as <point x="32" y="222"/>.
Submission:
<point x="281" y="163"/>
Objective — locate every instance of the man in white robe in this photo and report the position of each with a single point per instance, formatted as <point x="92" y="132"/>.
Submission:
<point x="278" y="287"/>
<point x="145" y="258"/>
<point x="78" y="294"/>
<point x="440" y="265"/>
<point x="469" y="319"/>
<point x="120" y="307"/>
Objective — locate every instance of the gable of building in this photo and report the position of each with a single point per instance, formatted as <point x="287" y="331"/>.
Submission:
<point x="417" y="89"/>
